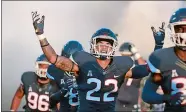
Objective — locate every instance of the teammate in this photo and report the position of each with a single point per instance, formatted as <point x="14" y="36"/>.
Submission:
<point x="168" y="68"/>
<point x="99" y="73"/>
<point x="70" y="102"/>
<point x="36" y="87"/>
<point x="131" y="87"/>
<point x="127" y="99"/>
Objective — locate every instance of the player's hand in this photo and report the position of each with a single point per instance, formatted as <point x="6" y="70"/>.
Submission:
<point x="129" y="49"/>
<point x="159" y="35"/>
<point x="176" y="99"/>
<point x="38" y="23"/>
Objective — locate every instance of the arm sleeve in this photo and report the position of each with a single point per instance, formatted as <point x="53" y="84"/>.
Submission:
<point x="149" y="94"/>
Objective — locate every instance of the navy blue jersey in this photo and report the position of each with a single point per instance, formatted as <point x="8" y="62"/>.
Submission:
<point x="37" y="95"/>
<point x="173" y="71"/>
<point x="60" y="77"/>
<point x="98" y="87"/>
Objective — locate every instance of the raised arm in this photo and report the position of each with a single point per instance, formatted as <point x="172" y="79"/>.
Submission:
<point x="142" y="69"/>
<point x="159" y="36"/>
<point x="128" y="49"/>
<point x="59" y="61"/>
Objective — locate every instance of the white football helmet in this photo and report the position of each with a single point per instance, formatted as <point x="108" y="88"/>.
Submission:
<point x="176" y="28"/>
<point x="41" y="72"/>
<point x="107" y="35"/>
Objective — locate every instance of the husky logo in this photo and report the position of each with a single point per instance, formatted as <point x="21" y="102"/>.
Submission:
<point x="89" y="73"/>
<point x="174" y="73"/>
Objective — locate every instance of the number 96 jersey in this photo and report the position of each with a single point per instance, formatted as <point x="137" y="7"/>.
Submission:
<point x="37" y="96"/>
<point x="173" y="72"/>
<point x="98" y="87"/>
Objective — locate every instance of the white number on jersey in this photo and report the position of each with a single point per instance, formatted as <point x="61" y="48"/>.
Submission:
<point x="39" y="102"/>
<point x="98" y="87"/>
<point x="129" y="81"/>
<point x="178" y="85"/>
<point x="73" y="96"/>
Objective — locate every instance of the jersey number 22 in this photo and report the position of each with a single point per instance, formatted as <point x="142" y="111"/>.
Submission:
<point x="98" y="87"/>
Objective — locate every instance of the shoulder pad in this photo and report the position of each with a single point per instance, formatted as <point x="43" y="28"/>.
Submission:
<point x="80" y="57"/>
<point x="159" y="59"/>
<point x="123" y="62"/>
<point x="28" y="77"/>
<point x="54" y="73"/>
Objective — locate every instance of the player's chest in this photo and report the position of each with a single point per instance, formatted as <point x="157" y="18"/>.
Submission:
<point x="174" y="80"/>
<point x="38" y="89"/>
<point x="96" y="71"/>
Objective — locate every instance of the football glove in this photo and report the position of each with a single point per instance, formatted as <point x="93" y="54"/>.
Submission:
<point x="38" y="23"/>
<point x="159" y="36"/>
<point x="129" y="49"/>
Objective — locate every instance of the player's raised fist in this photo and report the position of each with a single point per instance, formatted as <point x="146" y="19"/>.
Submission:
<point x="127" y="49"/>
<point x="159" y="35"/>
<point x="38" y="22"/>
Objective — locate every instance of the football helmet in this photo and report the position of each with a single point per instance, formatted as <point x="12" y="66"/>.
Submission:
<point x="41" y="72"/>
<point x="70" y="48"/>
<point x="106" y="35"/>
<point x="176" y="28"/>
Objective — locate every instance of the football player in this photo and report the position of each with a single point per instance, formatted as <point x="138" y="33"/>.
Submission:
<point x="36" y="87"/>
<point x="168" y="67"/>
<point x="99" y="73"/>
<point x="131" y="87"/>
<point x="70" y="102"/>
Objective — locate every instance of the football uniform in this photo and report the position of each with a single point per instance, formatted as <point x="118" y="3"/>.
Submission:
<point x="37" y="95"/>
<point x="173" y="71"/>
<point x="68" y="103"/>
<point x="98" y="87"/>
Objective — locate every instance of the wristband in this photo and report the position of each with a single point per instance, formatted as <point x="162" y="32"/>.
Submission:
<point x="41" y="37"/>
<point x="136" y="56"/>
